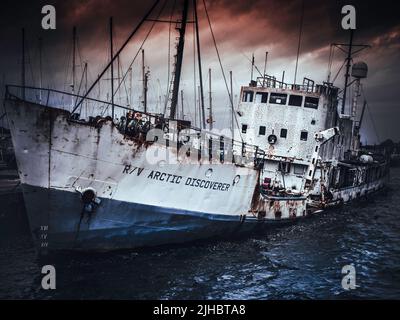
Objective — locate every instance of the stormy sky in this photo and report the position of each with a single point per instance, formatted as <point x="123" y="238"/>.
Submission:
<point x="241" y="28"/>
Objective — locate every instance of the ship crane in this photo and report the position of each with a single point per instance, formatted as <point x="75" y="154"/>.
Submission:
<point x="320" y="138"/>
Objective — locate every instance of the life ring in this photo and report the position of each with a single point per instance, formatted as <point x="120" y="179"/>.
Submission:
<point x="272" y="139"/>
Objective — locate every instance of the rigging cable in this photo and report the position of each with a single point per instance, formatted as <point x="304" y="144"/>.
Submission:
<point x="255" y="66"/>
<point x="298" y="45"/>
<point x="121" y="68"/>
<point x="337" y="74"/>
<point x="67" y="61"/>
<point x="331" y="55"/>
<point x="118" y="52"/>
<point x="29" y="62"/>
<point x="80" y="65"/>
<point x="370" y="114"/>
<point x="194" y="72"/>
<point x="137" y="53"/>
<point x="169" y="58"/>
<point x="222" y="69"/>
<point x="373" y="122"/>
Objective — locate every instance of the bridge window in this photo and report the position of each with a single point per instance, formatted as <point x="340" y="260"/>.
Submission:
<point x="283" y="133"/>
<point x="303" y="136"/>
<point x="284" y="167"/>
<point x="278" y="98"/>
<point x="299" y="169"/>
<point x="262" y="97"/>
<point x="311" y="102"/>
<point x="261" y="131"/>
<point x="244" y="128"/>
<point x="295" y="100"/>
<point x="247" y="96"/>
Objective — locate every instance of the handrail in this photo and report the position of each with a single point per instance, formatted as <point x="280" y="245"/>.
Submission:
<point x="63" y="92"/>
<point x="272" y="82"/>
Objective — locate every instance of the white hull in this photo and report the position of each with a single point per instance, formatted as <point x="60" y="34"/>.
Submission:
<point x="56" y="158"/>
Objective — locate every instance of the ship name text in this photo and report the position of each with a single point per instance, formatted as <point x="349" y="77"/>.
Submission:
<point x="176" y="179"/>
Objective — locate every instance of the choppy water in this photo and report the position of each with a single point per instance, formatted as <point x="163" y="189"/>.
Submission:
<point x="296" y="262"/>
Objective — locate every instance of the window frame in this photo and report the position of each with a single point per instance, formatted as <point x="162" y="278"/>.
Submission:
<point x="278" y="94"/>
<point x="297" y="96"/>
<point x="285" y="131"/>
<point x="301" y="133"/>
<point x="246" y="93"/>
<point x="259" y="131"/>
<point x="284" y="167"/>
<point x="308" y="106"/>
<point x="297" y="167"/>
<point x="264" y="96"/>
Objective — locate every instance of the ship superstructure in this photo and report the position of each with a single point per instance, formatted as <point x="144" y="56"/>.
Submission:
<point x="310" y="148"/>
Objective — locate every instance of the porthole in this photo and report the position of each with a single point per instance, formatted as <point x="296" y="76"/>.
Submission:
<point x="209" y="173"/>
<point x="162" y="163"/>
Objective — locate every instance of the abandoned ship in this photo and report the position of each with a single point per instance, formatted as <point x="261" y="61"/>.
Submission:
<point x="127" y="178"/>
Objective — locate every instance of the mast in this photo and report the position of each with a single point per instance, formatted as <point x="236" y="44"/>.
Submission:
<point x="195" y="108"/>
<point x="199" y="106"/>
<point x="159" y="102"/>
<point x="73" y="63"/>
<point x="265" y="67"/>
<point x="203" y="116"/>
<point x="252" y="67"/>
<point x="130" y="87"/>
<point x="85" y="71"/>
<point x="210" y="100"/>
<point x="112" y="67"/>
<point x="183" y="116"/>
<point x="117" y="54"/>
<point x="144" y="79"/>
<point x="179" y="58"/>
<point x="143" y="85"/>
<point x="119" y="80"/>
<point x="230" y="76"/>
<point x="347" y="75"/>
<point x="40" y="70"/>
<point x="23" y="64"/>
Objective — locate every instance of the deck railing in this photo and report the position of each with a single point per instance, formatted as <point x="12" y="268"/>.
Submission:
<point x="308" y="85"/>
<point x="91" y="109"/>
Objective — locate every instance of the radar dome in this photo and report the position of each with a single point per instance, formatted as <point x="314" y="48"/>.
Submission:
<point x="359" y="70"/>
